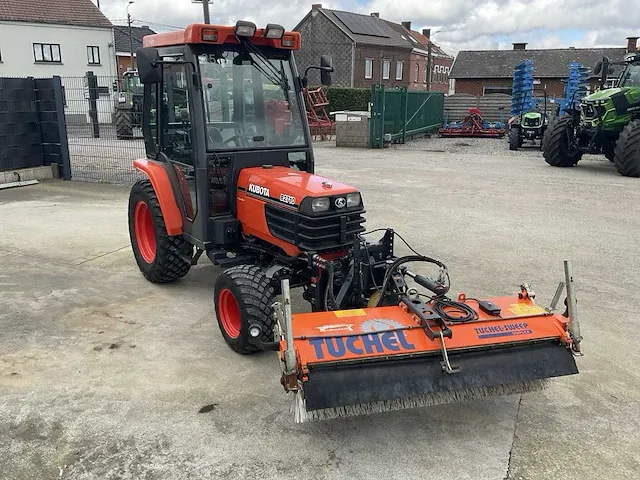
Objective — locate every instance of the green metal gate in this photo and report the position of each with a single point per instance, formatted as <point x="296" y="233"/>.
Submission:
<point x="401" y="112"/>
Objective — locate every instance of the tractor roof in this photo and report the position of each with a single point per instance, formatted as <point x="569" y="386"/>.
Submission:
<point x="218" y="35"/>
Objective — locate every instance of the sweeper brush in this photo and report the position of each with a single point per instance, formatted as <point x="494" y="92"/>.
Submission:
<point x="419" y="352"/>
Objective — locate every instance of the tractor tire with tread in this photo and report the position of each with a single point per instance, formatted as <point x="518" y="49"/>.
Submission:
<point x="124" y="124"/>
<point x="555" y="144"/>
<point x="243" y="295"/>
<point x="168" y="258"/>
<point x="627" y="152"/>
<point x="514" y="139"/>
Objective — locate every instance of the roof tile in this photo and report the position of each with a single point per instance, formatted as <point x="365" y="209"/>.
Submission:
<point x="57" y="12"/>
<point x="551" y="63"/>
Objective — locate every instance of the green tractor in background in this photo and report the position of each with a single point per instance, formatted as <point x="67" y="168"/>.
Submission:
<point x="529" y="126"/>
<point x="606" y="122"/>
<point x="128" y="105"/>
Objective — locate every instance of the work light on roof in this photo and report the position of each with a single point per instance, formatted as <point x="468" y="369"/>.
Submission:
<point x="273" y="31"/>
<point x="245" y="29"/>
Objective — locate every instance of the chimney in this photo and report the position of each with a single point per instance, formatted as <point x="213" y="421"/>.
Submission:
<point x="375" y="14"/>
<point x="632" y="44"/>
<point x="407" y="25"/>
<point x="519" y="46"/>
<point x="145" y="26"/>
<point x="426" y="32"/>
<point x="316" y="6"/>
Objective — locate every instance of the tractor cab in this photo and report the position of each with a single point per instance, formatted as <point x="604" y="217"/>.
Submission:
<point x="219" y="100"/>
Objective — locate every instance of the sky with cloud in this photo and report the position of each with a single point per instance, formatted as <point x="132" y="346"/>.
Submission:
<point x="460" y="24"/>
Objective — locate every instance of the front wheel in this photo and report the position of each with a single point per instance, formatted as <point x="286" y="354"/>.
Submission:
<point x="627" y="153"/>
<point x="556" y="144"/>
<point x="160" y="257"/>
<point x="243" y="296"/>
<point x="514" y="139"/>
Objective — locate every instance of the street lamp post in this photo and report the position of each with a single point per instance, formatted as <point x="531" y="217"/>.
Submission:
<point x="130" y="36"/>
<point x="429" y="63"/>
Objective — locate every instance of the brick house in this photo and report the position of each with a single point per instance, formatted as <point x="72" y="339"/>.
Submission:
<point x="491" y="71"/>
<point x="365" y="50"/>
<point x="423" y="54"/>
<point x="123" y="45"/>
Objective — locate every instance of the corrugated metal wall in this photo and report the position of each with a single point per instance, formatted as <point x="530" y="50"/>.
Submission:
<point x="494" y="107"/>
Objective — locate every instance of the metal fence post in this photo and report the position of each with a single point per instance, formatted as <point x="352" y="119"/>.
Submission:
<point x="404" y="118"/>
<point x="62" y="128"/>
<point x="92" y="85"/>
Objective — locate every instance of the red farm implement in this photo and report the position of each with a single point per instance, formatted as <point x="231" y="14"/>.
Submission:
<point x="473" y="125"/>
<point x="316" y="102"/>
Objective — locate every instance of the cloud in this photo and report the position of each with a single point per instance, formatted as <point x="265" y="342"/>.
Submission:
<point x="461" y="24"/>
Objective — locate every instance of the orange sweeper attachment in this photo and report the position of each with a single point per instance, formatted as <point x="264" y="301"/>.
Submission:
<point x="409" y="349"/>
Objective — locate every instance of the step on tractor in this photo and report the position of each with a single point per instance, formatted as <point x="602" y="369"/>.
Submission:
<point x="128" y="105"/>
<point x="230" y="173"/>
<point x="606" y="122"/>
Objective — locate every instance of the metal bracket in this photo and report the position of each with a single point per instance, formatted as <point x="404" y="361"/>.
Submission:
<point x="446" y="365"/>
<point x="554" y="302"/>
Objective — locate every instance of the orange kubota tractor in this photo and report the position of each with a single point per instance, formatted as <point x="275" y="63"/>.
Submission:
<point x="230" y="173"/>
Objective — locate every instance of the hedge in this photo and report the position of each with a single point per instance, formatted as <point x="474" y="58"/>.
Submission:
<point x="345" y="98"/>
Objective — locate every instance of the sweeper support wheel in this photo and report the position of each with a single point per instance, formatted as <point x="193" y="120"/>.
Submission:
<point x="244" y="296"/>
<point x="160" y="257"/>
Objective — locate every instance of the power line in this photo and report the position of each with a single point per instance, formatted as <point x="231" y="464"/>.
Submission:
<point x="147" y="22"/>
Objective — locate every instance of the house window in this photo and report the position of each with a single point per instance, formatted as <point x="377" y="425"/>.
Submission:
<point x="399" y="68"/>
<point x="368" y="68"/>
<point x="426" y="70"/>
<point x="46" y="53"/>
<point x="487" y="89"/>
<point x="386" y="67"/>
<point x="93" y="55"/>
<point x="417" y="76"/>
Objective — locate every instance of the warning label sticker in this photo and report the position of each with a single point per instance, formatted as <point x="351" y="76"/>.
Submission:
<point x="522" y="309"/>
<point x="358" y="312"/>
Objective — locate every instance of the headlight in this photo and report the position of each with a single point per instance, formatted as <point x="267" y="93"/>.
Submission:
<point x="245" y="29"/>
<point x="320" y="204"/>
<point x="353" y="200"/>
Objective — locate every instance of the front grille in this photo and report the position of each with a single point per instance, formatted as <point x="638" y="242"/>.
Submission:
<point x="592" y="112"/>
<point x="531" y="122"/>
<point x="317" y="234"/>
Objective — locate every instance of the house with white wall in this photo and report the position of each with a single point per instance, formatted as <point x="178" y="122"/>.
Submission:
<point x="60" y="37"/>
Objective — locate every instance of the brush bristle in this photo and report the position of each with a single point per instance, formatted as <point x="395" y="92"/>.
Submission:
<point x="298" y="406"/>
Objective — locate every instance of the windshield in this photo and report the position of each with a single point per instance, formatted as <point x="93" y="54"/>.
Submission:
<point x="631" y="76"/>
<point x="249" y="101"/>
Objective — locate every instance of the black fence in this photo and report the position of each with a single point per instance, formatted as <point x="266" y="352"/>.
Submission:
<point x="104" y="129"/>
<point x="32" y="124"/>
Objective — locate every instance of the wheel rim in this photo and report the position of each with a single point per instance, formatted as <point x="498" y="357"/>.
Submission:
<point x="145" y="232"/>
<point x="229" y="312"/>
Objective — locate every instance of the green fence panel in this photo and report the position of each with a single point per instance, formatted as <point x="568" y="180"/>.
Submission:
<point x="400" y="113"/>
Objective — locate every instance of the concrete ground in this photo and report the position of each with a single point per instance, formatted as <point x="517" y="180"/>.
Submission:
<point x="106" y="376"/>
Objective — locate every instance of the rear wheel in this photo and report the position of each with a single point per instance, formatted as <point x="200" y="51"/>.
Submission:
<point x="556" y="143"/>
<point x="514" y="139"/>
<point x="627" y="152"/>
<point x="243" y="296"/>
<point x="160" y="257"/>
<point x="124" y="124"/>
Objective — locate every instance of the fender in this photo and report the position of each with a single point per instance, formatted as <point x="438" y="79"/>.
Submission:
<point x="162" y="186"/>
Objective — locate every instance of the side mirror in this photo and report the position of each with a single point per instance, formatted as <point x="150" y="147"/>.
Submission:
<point x="597" y="68"/>
<point x="610" y="70"/>
<point x="148" y="60"/>
<point x="325" y="70"/>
